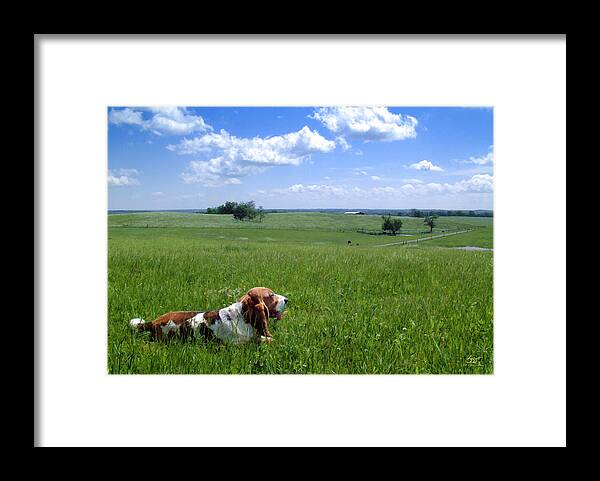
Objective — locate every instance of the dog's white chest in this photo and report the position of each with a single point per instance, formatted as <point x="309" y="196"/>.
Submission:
<point x="231" y="326"/>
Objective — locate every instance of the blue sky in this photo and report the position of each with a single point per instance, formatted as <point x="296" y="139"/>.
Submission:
<point x="300" y="157"/>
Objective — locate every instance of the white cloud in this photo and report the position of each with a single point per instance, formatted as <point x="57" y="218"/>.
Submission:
<point x="366" y="123"/>
<point x="481" y="160"/>
<point x="218" y="171"/>
<point x="477" y="184"/>
<point x="125" y="116"/>
<point x="120" y="181"/>
<point x="158" y="194"/>
<point x="166" y="120"/>
<point x="122" y="177"/>
<point x="175" y="121"/>
<point x="426" y="165"/>
<point x="364" y="173"/>
<point x="129" y="172"/>
<point x="316" y="188"/>
<point x="236" y="157"/>
<point x="288" y="149"/>
<point x="341" y="141"/>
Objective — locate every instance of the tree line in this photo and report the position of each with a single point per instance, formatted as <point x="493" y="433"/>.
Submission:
<point x="446" y="213"/>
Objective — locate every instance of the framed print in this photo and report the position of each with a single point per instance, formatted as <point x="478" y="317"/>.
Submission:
<point x="351" y="233"/>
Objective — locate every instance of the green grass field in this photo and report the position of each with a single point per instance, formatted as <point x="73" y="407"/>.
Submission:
<point x="313" y="221"/>
<point x="354" y="309"/>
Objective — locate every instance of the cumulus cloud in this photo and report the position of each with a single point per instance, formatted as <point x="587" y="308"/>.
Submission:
<point x="122" y="177"/>
<point x="236" y="157"/>
<point x="288" y="149"/>
<point x="477" y="184"/>
<point x="481" y="160"/>
<point x="125" y="116"/>
<point x="218" y="171"/>
<point x="165" y="120"/>
<point x="482" y="183"/>
<point x="175" y="121"/>
<point x="375" y="177"/>
<point x="366" y="123"/>
<point x="426" y="165"/>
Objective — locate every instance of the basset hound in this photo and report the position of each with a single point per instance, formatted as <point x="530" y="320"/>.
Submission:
<point x="243" y="321"/>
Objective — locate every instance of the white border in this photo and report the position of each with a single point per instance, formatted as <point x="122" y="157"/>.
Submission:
<point x="523" y="403"/>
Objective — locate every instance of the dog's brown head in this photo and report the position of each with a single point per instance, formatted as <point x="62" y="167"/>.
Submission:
<point x="262" y="301"/>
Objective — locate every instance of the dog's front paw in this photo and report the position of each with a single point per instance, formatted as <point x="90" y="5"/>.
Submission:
<point x="268" y="339"/>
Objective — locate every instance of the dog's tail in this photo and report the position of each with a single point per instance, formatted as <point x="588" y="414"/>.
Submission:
<point x="138" y="324"/>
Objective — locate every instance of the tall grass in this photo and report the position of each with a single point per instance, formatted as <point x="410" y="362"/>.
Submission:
<point x="396" y="310"/>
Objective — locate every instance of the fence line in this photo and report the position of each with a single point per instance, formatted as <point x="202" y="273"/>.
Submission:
<point x="422" y="239"/>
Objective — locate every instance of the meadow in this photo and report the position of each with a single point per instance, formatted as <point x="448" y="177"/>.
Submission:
<point x="355" y="307"/>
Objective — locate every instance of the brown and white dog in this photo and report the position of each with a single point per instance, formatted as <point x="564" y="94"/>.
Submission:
<point x="243" y="321"/>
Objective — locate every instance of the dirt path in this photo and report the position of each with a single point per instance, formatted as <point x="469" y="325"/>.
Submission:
<point x="422" y="239"/>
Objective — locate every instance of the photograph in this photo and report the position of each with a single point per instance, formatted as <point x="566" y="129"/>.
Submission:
<point x="336" y="239"/>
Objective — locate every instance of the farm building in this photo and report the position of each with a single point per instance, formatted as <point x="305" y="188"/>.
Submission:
<point x="354" y="212"/>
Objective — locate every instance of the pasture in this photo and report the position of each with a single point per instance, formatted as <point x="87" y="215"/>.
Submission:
<point x="355" y="308"/>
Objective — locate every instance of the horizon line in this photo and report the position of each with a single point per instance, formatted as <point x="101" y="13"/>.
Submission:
<point x="310" y="208"/>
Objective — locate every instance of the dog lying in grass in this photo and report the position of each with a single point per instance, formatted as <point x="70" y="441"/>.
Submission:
<point x="243" y="321"/>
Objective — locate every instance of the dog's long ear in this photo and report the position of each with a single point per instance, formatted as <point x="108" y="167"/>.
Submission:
<point x="252" y="298"/>
<point x="254" y="309"/>
<point x="247" y="303"/>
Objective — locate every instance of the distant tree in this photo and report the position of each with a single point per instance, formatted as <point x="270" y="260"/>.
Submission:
<point x="261" y="213"/>
<point x="429" y="221"/>
<point x="245" y="210"/>
<point x="240" y="211"/>
<point x="391" y="225"/>
<point x="228" y="207"/>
